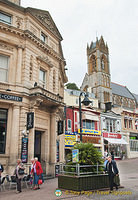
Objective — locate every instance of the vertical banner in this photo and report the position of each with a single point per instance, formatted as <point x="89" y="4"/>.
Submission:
<point x="24" y="152"/>
<point x="30" y="120"/>
<point x="75" y="155"/>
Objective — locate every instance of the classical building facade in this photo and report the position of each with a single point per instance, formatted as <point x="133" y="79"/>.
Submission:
<point x="32" y="77"/>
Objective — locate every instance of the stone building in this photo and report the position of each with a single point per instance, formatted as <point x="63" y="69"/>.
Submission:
<point x="117" y="97"/>
<point x="32" y="77"/>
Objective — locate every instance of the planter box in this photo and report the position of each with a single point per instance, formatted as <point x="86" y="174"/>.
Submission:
<point x="82" y="183"/>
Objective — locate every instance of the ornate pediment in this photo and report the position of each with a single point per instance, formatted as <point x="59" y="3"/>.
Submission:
<point x="45" y="18"/>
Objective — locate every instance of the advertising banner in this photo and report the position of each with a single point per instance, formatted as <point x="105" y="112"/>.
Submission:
<point x="24" y="152"/>
<point x="75" y="155"/>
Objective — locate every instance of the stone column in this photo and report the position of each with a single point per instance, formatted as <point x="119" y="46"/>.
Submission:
<point x="52" y="156"/>
<point x="14" y="143"/>
<point x="19" y="65"/>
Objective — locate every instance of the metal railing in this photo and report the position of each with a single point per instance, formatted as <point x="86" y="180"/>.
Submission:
<point x="79" y="170"/>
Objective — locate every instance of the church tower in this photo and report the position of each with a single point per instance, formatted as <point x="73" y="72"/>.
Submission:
<point x="98" y="79"/>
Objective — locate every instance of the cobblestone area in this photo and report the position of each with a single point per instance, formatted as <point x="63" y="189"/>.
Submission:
<point x="128" y="176"/>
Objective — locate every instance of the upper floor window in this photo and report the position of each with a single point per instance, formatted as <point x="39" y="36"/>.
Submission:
<point x="42" y="77"/>
<point x="136" y="124"/>
<point x="69" y="124"/>
<point x="5" y="18"/>
<point x="4" y="68"/>
<point x="89" y="124"/>
<point x="111" y="125"/>
<point x="125" y="123"/>
<point x="130" y="124"/>
<point x="43" y="37"/>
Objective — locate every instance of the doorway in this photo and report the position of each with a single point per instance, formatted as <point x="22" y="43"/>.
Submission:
<point x="37" y="145"/>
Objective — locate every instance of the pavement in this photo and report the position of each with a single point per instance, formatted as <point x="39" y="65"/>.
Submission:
<point x="129" y="180"/>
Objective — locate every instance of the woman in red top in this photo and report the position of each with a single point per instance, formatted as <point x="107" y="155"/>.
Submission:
<point x="37" y="171"/>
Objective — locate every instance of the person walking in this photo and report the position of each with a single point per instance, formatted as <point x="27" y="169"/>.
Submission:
<point x="37" y="172"/>
<point x="19" y="174"/>
<point x="112" y="170"/>
<point x="1" y="170"/>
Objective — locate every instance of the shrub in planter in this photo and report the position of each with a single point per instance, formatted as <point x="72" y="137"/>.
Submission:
<point x="88" y="155"/>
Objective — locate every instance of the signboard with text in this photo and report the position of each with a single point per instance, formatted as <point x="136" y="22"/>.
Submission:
<point x="30" y="120"/>
<point x="10" y="97"/>
<point x="90" y="132"/>
<point x="24" y="152"/>
<point x="112" y="135"/>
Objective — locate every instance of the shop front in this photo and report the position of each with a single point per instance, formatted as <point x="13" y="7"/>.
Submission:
<point x="115" y="145"/>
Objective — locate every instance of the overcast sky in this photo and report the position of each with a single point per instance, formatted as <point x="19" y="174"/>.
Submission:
<point x="80" y="21"/>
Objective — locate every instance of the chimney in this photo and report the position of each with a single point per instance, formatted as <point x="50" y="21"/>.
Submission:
<point x="17" y="2"/>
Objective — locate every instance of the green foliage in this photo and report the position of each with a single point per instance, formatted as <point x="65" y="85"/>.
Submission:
<point x="72" y="86"/>
<point x="88" y="155"/>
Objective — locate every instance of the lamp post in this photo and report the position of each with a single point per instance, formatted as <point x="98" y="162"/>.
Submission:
<point x="86" y="102"/>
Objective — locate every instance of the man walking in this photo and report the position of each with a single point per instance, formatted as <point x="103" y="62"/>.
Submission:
<point x="112" y="170"/>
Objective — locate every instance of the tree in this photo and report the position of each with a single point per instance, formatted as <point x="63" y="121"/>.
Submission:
<point x="72" y="86"/>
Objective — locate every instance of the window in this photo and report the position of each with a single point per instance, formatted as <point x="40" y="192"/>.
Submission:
<point x="42" y="77"/>
<point x="136" y="124"/>
<point x="5" y="18"/>
<point x="69" y="124"/>
<point x="125" y="123"/>
<point x="133" y="145"/>
<point x="4" y="68"/>
<point x="88" y="124"/>
<point x="3" y="129"/>
<point x="130" y="124"/>
<point x="111" y="125"/>
<point x="43" y="37"/>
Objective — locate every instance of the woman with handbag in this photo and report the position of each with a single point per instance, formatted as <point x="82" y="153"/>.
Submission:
<point x="37" y="172"/>
<point x="19" y="172"/>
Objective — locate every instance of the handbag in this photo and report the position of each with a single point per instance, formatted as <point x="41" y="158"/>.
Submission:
<point x="21" y="171"/>
<point x="40" y="182"/>
<point x="117" y="180"/>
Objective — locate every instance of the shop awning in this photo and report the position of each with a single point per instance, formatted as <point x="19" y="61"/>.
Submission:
<point x="116" y="141"/>
<point x="90" y="117"/>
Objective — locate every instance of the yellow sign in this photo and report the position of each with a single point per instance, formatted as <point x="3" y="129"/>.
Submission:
<point x="90" y="132"/>
<point x="70" y="137"/>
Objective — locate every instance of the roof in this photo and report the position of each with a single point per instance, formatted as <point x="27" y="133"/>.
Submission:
<point x="121" y="90"/>
<point x="136" y="97"/>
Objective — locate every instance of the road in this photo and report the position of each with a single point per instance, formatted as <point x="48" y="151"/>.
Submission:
<point x="129" y="180"/>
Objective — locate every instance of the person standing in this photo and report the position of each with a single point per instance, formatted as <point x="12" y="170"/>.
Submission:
<point x="1" y="170"/>
<point x="37" y="171"/>
<point x="112" y="170"/>
<point x="19" y="176"/>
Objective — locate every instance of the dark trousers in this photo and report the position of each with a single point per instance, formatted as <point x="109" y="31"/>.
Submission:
<point x="111" y="181"/>
<point x="18" y="184"/>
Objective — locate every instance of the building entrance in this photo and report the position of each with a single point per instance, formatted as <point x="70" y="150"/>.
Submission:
<point x="37" y="145"/>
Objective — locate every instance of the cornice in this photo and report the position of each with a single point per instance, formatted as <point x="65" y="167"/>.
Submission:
<point x="32" y="37"/>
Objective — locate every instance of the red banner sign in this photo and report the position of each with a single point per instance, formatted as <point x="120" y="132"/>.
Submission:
<point x="112" y="135"/>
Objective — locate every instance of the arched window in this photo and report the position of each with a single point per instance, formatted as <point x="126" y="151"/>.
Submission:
<point x="92" y="64"/>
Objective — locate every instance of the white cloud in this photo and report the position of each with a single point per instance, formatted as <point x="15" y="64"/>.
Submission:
<point x="79" y="20"/>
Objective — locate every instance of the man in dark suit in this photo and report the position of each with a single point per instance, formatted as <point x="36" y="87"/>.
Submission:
<point x="112" y="170"/>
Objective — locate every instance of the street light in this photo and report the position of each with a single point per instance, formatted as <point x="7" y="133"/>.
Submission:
<point x="86" y="102"/>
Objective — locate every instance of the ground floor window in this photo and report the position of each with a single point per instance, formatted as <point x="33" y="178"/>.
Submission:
<point x="133" y="145"/>
<point x="3" y="130"/>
